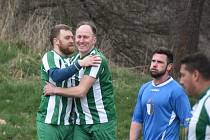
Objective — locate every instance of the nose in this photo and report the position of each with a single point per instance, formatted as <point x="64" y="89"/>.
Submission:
<point x="154" y="64"/>
<point x="71" y="39"/>
<point x="81" y="39"/>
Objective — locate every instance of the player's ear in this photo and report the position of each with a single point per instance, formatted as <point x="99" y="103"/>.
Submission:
<point x="94" y="39"/>
<point x="196" y="75"/>
<point x="169" y="66"/>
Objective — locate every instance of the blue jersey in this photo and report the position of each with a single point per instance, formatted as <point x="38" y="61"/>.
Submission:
<point x="160" y="109"/>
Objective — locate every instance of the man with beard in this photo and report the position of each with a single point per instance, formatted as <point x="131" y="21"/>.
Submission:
<point x="162" y="104"/>
<point x="53" y="117"/>
<point x="195" y="77"/>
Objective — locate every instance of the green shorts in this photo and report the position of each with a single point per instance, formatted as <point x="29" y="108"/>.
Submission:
<point x="103" y="131"/>
<point x="54" y="132"/>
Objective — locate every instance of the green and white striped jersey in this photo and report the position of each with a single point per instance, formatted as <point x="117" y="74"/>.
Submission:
<point x="98" y="105"/>
<point x="199" y="128"/>
<point x="54" y="109"/>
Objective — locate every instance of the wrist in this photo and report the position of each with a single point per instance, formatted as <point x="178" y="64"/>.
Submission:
<point x="56" y="90"/>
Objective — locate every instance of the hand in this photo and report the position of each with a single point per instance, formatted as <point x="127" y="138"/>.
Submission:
<point x="91" y="60"/>
<point x="49" y="89"/>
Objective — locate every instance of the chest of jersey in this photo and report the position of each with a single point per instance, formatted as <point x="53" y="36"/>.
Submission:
<point x="156" y="99"/>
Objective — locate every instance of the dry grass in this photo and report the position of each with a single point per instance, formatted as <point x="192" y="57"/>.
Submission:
<point x="31" y="31"/>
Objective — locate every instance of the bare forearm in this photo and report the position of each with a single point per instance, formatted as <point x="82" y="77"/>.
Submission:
<point x="135" y="131"/>
<point x="79" y="91"/>
<point x="73" y="91"/>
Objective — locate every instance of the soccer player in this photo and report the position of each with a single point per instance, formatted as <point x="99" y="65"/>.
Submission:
<point x="162" y="103"/>
<point x="53" y="117"/>
<point x="195" y="77"/>
<point x="95" y="107"/>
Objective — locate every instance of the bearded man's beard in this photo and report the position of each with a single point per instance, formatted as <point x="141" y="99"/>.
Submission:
<point x="157" y="75"/>
<point x="66" y="50"/>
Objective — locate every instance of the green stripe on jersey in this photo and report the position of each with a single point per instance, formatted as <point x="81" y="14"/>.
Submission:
<point x="51" y="60"/>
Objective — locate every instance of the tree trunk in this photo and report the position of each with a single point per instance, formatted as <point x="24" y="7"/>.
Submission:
<point x="187" y="25"/>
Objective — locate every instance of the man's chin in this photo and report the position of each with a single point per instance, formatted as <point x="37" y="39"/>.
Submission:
<point x="69" y="52"/>
<point x="155" y="75"/>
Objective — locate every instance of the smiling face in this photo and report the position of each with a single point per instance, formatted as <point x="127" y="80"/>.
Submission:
<point x="159" y="66"/>
<point x="84" y="39"/>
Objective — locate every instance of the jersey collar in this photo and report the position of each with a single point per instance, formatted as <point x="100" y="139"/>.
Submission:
<point x="162" y="84"/>
<point x="206" y="91"/>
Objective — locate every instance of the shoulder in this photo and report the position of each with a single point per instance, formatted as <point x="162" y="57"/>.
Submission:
<point x="145" y="86"/>
<point x="176" y="86"/>
<point x="51" y="54"/>
<point x="207" y="102"/>
<point x="74" y="57"/>
<point x="96" y="51"/>
<point x="48" y="55"/>
<point x="177" y="89"/>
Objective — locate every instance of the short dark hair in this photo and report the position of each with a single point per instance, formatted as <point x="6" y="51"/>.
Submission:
<point x="197" y="61"/>
<point x="90" y="23"/>
<point x="55" y="31"/>
<point x="166" y="51"/>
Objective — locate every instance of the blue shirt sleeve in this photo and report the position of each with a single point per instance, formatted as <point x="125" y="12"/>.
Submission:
<point x="182" y="108"/>
<point x="138" y="110"/>
<point x="59" y="75"/>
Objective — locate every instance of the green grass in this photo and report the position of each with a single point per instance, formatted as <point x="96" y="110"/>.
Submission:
<point x="20" y="93"/>
<point x="126" y="86"/>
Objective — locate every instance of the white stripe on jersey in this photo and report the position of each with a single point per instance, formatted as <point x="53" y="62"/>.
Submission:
<point x="207" y="106"/>
<point x="69" y="104"/>
<point x="99" y="102"/>
<point x="77" y="120"/>
<point x="86" y="111"/>
<point x="50" y="109"/>
<point x="196" y="110"/>
<point x="207" y="133"/>
<point x="94" y="71"/>
<point x="60" y="106"/>
<point x="68" y="111"/>
<point x="57" y="63"/>
<point x="173" y="116"/>
<point x="45" y="63"/>
<point x="60" y="110"/>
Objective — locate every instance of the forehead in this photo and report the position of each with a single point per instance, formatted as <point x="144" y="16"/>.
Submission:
<point x="160" y="57"/>
<point x="66" y="32"/>
<point x="84" y="30"/>
<point x="183" y="68"/>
